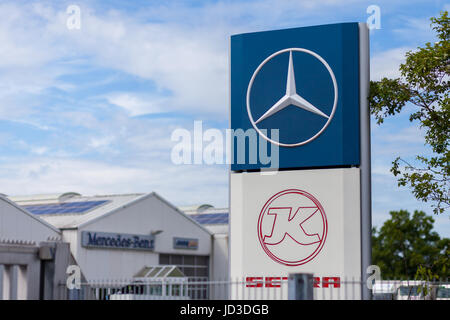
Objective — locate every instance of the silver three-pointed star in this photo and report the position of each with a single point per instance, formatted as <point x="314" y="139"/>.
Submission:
<point x="291" y="97"/>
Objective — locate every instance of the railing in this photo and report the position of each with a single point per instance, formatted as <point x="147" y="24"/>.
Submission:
<point x="243" y="289"/>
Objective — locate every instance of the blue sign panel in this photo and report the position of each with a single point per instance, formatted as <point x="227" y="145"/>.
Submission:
<point x="106" y="240"/>
<point x="185" y="243"/>
<point x="297" y="91"/>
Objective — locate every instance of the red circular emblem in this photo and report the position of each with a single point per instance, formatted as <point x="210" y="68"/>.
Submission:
<point x="292" y="227"/>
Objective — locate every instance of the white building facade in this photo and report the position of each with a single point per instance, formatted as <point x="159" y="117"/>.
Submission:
<point x="32" y="255"/>
<point x="116" y="236"/>
<point x="216" y="220"/>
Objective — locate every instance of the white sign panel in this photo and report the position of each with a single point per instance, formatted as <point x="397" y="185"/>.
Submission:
<point x="296" y="221"/>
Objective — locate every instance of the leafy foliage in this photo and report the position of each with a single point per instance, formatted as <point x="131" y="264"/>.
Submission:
<point x="406" y="247"/>
<point x="424" y="83"/>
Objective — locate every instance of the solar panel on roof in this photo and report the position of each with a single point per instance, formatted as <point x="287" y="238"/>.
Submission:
<point x="62" y="208"/>
<point x="211" y="218"/>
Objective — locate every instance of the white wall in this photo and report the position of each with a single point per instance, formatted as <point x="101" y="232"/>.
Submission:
<point x="71" y="236"/>
<point x="16" y="224"/>
<point x="220" y="257"/>
<point x="339" y="253"/>
<point x="142" y="217"/>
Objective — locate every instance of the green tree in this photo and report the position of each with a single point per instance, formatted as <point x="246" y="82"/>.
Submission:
<point x="424" y="84"/>
<point x="406" y="245"/>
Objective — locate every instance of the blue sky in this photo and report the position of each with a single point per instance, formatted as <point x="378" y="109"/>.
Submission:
<point x="92" y="110"/>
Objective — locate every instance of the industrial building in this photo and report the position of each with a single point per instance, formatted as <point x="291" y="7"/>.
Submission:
<point x="109" y="237"/>
<point x="117" y="236"/>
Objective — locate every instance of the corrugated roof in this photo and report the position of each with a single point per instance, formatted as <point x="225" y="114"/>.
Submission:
<point x="216" y="220"/>
<point x="202" y="209"/>
<point x="198" y="208"/>
<point x="36" y="198"/>
<point x="211" y="218"/>
<point x="67" y="220"/>
<point x="73" y="220"/>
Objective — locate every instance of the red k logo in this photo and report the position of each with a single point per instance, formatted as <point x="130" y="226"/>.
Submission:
<point x="289" y="223"/>
<point x="292" y="227"/>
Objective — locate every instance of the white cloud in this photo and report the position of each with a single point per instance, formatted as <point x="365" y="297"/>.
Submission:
<point x="185" y="55"/>
<point x="39" y="150"/>
<point x="20" y="48"/>
<point x="397" y="136"/>
<point x="387" y="63"/>
<point x="101" y="142"/>
<point x="415" y="29"/>
<point x="53" y="175"/>
<point x="136" y="105"/>
<point x="409" y="135"/>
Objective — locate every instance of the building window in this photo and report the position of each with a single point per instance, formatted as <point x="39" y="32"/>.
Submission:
<point x="194" y="267"/>
<point x="190" y="265"/>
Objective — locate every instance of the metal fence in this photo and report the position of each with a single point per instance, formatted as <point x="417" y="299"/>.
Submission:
<point x="245" y="289"/>
<point x="411" y="290"/>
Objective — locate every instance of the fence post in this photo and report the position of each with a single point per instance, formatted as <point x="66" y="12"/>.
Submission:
<point x="300" y="286"/>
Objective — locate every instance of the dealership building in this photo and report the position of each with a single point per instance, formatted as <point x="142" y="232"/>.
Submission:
<point x="120" y="236"/>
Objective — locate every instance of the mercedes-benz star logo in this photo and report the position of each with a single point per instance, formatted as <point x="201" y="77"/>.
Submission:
<point x="291" y="97"/>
